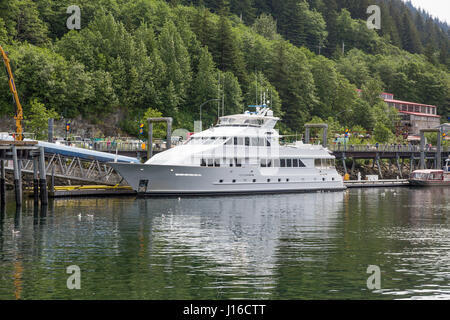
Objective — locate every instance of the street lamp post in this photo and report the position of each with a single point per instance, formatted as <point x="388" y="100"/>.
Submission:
<point x="203" y="105"/>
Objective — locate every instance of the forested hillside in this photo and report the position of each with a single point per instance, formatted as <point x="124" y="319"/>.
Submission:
<point x="152" y="57"/>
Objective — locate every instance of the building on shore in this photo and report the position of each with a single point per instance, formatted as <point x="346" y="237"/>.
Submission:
<point x="413" y="116"/>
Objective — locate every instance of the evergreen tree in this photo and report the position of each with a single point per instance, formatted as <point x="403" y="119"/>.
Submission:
<point x="410" y="38"/>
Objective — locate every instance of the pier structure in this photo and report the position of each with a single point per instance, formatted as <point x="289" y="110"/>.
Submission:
<point x="310" y="126"/>
<point x="151" y="121"/>
<point x="419" y="157"/>
<point x="16" y="152"/>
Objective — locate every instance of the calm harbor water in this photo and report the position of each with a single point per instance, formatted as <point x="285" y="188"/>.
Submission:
<point x="296" y="246"/>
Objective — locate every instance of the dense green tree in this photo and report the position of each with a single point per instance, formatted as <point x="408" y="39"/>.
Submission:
<point x="178" y="75"/>
<point x="23" y="21"/>
<point x="410" y="37"/>
<point x="266" y="26"/>
<point x="3" y="32"/>
<point x="36" y="120"/>
<point x="205" y="84"/>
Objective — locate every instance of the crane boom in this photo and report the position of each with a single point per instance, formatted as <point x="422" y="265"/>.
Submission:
<point x="12" y="87"/>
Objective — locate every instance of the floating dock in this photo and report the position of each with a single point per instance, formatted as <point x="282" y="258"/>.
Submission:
<point x="88" y="191"/>
<point x="377" y="183"/>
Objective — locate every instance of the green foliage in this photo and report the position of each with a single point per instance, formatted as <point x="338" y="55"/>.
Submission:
<point x="159" y="129"/>
<point x="382" y="133"/>
<point x="132" y="55"/>
<point x="3" y="32"/>
<point x="266" y="26"/>
<point x="37" y="119"/>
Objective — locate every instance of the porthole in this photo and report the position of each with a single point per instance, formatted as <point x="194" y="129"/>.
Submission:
<point x="254" y="180"/>
<point x="220" y="181"/>
<point x="268" y="180"/>
<point x="234" y="181"/>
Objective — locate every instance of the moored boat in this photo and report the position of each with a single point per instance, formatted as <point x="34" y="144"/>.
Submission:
<point x="431" y="177"/>
<point x="240" y="155"/>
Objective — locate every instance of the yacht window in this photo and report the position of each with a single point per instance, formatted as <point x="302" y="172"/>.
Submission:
<point x="269" y="163"/>
<point x="268" y="142"/>
<point x="301" y="164"/>
<point x="247" y="141"/>
<point x="289" y="163"/>
<point x="203" y="163"/>
<point x="276" y="163"/>
<point x="210" y="163"/>
<point x="295" y="163"/>
<point x="228" y="142"/>
<point x="283" y="163"/>
<point x="263" y="163"/>
<point x="240" y="141"/>
<point x="255" y="142"/>
<point x="217" y="163"/>
<point x="261" y="142"/>
<point x="238" y="162"/>
<point x="318" y="163"/>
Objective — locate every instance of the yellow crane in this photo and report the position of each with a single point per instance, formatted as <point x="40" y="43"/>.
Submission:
<point x="12" y="86"/>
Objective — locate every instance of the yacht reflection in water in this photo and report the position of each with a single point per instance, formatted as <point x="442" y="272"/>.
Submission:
<point x="240" y="235"/>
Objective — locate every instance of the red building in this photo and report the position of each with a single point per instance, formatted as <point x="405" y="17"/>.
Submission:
<point x="413" y="116"/>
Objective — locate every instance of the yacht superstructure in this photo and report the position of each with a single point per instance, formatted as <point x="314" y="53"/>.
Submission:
<point x="241" y="154"/>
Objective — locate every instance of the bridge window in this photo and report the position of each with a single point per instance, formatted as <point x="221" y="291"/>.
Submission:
<point x="295" y="163"/>
<point x="289" y="163"/>
<point x="318" y="163"/>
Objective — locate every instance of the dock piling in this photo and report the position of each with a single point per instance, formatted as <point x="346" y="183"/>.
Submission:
<point x="2" y="183"/>
<point x="43" y="177"/>
<point x="36" y="179"/>
<point x="17" y="177"/>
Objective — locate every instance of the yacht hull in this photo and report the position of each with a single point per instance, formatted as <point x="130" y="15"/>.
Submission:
<point x="186" y="180"/>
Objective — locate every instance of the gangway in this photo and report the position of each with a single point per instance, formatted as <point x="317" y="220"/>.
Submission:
<point x="77" y="164"/>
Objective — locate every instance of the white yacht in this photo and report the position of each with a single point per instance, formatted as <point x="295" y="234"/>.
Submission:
<point x="240" y="155"/>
